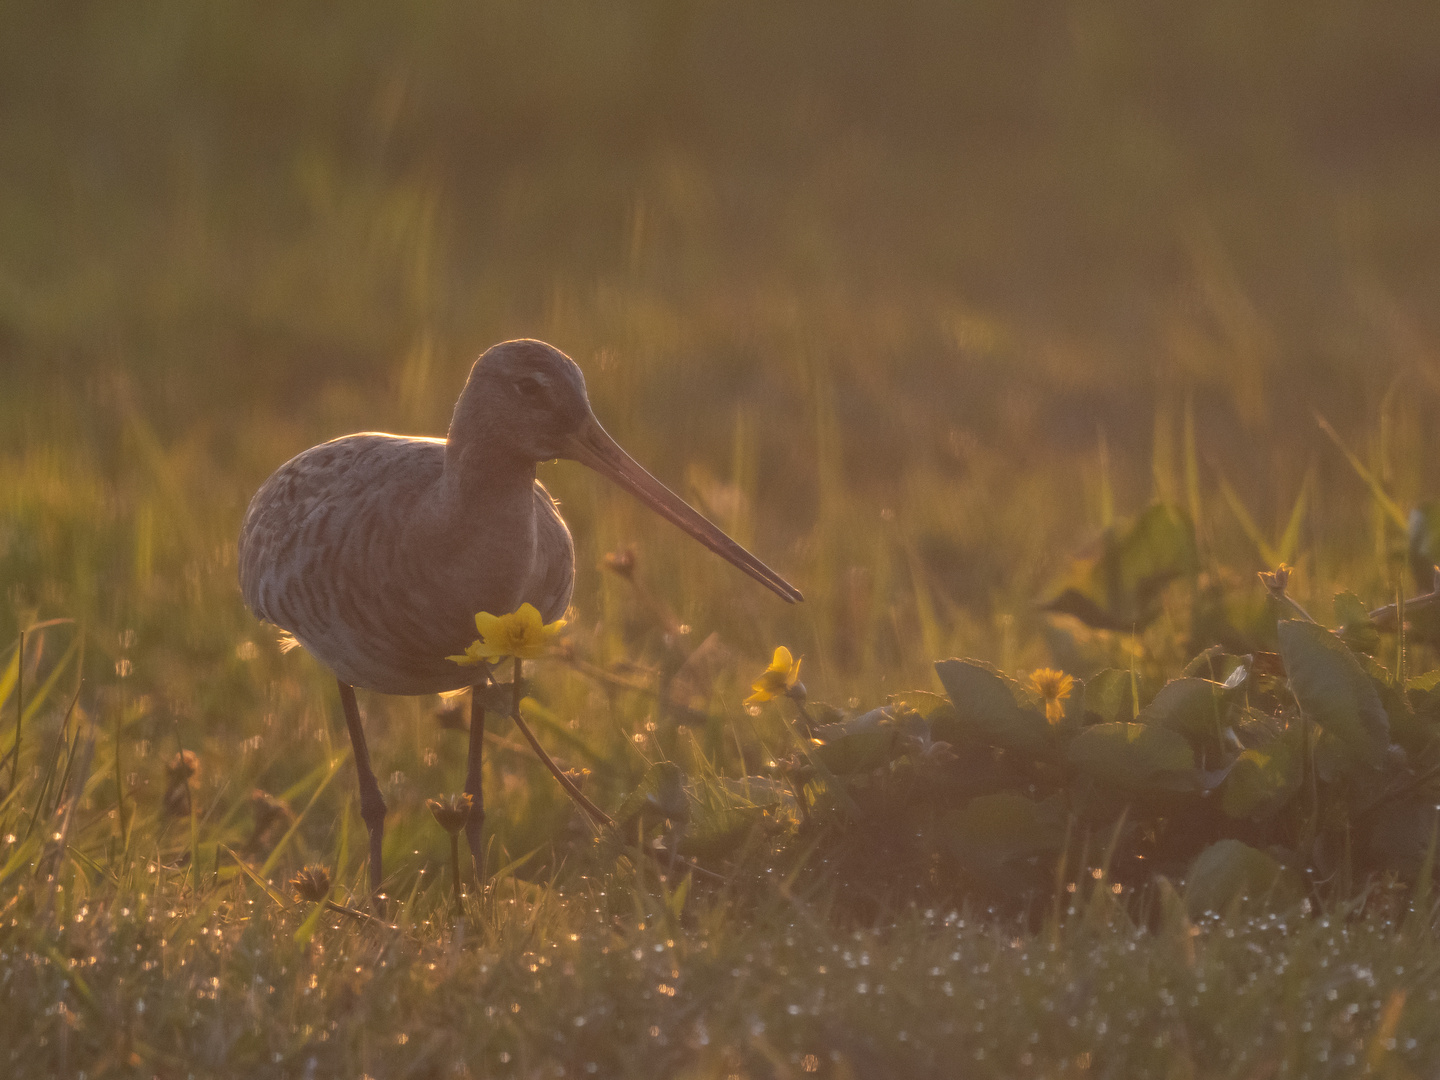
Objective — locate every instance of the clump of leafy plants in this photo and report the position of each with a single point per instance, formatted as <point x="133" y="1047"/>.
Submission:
<point x="1307" y="767"/>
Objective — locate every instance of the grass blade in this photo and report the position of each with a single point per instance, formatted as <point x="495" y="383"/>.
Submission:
<point x="1268" y="555"/>
<point x="275" y="894"/>
<point x="1377" y="489"/>
<point x="279" y="849"/>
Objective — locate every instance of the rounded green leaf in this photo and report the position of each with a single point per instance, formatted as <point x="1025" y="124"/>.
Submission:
<point x="1110" y="695"/>
<point x="1402" y="834"/>
<point x="1357" y="629"/>
<point x="1192" y="707"/>
<point x="1262" y="780"/>
<point x="1227" y="872"/>
<point x="857" y="745"/>
<point x="988" y="707"/>
<point x="1333" y="689"/>
<point x="1007" y="842"/>
<point x="1142" y="759"/>
<point x="1117" y="585"/>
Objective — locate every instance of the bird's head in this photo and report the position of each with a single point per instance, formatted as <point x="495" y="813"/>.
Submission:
<point x="524" y="399"/>
<point x="525" y="402"/>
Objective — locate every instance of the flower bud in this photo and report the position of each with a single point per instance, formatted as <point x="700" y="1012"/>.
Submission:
<point x="311" y="884"/>
<point x="453" y="812"/>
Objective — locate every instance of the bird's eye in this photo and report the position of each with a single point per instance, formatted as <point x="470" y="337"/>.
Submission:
<point x="530" y="388"/>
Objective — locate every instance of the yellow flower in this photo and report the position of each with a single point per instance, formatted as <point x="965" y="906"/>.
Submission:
<point x="522" y="634"/>
<point x="1054" y="686"/>
<point x="778" y="679"/>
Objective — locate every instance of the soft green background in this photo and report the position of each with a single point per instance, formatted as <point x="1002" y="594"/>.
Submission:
<point x="818" y="261"/>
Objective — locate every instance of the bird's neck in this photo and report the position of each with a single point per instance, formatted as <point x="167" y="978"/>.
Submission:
<point x="479" y="472"/>
<point x="478" y="528"/>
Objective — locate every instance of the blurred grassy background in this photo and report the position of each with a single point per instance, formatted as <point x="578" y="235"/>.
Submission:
<point x="899" y="293"/>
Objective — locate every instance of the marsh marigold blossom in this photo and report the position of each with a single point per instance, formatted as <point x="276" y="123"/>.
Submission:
<point x="776" y="680"/>
<point x="1054" y="686"/>
<point x="523" y="634"/>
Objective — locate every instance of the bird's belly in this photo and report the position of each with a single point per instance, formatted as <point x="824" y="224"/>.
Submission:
<point x="409" y="651"/>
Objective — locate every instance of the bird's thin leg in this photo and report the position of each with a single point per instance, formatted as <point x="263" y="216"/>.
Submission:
<point x="372" y="803"/>
<point x="475" y="784"/>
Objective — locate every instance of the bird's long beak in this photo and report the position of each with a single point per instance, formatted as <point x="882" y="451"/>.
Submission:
<point x="592" y="446"/>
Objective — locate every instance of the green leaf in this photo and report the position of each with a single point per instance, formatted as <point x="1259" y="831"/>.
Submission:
<point x="1424" y="683"/>
<point x="1143" y="759"/>
<point x="1401" y="834"/>
<point x="857" y="745"/>
<point x="1215" y="664"/>
<point x="1192" y="707"/>
<point x="1227" y="872"/>
<point x="1005" y="839"/>
<point x="1262" y="780"/>
<point x="1117" y="585"/>
<point x="1110" y="695"/>
<point x="660" y="794"/>
<point x="1333" y="689"/>
<point x="1357" y="629"/>
<point x="933" y="708"/>
<point x="988" y="708"/>
<point x="717" y="831"/>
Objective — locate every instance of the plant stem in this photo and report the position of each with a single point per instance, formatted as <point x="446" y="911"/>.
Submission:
<point x="19" y="709"/>
<point x="802" y="715"/>
<point x="595" y="814"/>
<point x="1400" y="635"/>
<point x="120" y="781"/>
<point x="455" y="866"/>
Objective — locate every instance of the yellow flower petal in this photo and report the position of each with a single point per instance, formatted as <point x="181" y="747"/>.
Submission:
<point x="777" y="679"/>
<point x="1054" y="687"/>
<point x="522" y="634"/>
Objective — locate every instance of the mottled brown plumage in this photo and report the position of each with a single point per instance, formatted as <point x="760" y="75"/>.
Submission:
<point x="363" y="551"/>
<point x="375" y="551"/>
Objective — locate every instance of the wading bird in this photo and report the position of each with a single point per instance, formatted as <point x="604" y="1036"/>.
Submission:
<point x="376" y="551"/>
